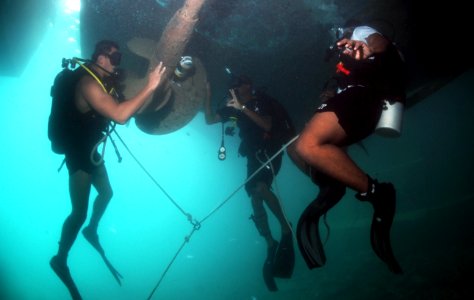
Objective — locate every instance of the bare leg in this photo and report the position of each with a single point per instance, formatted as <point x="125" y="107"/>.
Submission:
<point x="79" y="190"/>
<point x="321" y="145"/>
<point x="101" y="183"/>
<point x="100" y="180"/>
<point x="260" y="218"/>
<point x="274" y="205"/>
<point x="283" y="260"/>
<point x="297" y="160"/>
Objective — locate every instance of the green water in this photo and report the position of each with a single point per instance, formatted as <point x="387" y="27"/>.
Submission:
<point x="431" y="166"/>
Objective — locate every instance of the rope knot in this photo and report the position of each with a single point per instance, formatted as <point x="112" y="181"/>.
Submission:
<point x="196" y="224"/>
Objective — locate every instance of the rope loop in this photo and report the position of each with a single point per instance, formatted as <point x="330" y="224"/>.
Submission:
<point x="196" y="224"/>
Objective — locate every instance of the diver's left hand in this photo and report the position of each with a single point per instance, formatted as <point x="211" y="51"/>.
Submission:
<point x="233" y="102"/>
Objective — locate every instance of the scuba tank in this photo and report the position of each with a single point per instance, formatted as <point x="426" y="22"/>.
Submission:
<point x="390" y="122"/>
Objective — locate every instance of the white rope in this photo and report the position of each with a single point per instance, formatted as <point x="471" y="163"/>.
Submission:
<point x="251" y="176"/>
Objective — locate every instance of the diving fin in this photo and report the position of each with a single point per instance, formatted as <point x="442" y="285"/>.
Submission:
<point x="62" y="271"/>
<point x="284" y="262"/>
<point x="268" y="276"/>
<point x="380" y="241"/>
<point x="383" y="199"/>
<point x="93" y="239"/>
<point x="307" y="232"/>
<point x="309" y="240"/>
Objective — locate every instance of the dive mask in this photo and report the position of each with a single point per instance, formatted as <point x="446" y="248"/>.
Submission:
<point x="114" y="58"/>
<point x="185" y="67"/>
<point x="338" y="33"/>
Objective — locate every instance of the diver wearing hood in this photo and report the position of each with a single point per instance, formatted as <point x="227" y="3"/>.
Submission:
<point x="368" y="71"/>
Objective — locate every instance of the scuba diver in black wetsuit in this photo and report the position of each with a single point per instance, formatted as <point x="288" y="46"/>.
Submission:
<point x="93" y="106"/>
<point x="370" y="71"/>
<point x="257" y="120"/>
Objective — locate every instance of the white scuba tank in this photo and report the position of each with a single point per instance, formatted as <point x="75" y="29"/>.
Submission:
<point x="390" y="122"/>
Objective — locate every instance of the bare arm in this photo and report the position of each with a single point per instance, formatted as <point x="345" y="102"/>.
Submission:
<point x="104" y="104"/>
<point x="265" y="122"/>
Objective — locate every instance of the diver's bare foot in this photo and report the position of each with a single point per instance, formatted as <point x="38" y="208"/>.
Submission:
<point x="92" y="237"/>
<point x="62" y="271"/>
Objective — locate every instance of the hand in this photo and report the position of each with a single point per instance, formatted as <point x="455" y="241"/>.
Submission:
<point x="358" y="50"/>
<point x="155" y="76"/>
<point x="233" y="102"/>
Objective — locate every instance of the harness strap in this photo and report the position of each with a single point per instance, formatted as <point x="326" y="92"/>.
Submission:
<point x="107" y="134"/>
<point x="93" y="75"/>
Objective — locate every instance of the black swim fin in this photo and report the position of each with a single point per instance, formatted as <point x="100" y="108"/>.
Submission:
<point x="307" y="232"/>
<point x="93" y="239"/>
<point x="268" y="276"/>
<point x="62" y="271"/>
<point x="309" y="240"/>
<point x="380" y="240"/>
<point x="383" y="199"/>
<point x="284" y="262"/>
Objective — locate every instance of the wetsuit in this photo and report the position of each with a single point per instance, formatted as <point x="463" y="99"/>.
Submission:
<point x="256" y="145"/>
<point x="358" y="102"/>
<point x="361" y="88"/>
<point x="86" y="131"/>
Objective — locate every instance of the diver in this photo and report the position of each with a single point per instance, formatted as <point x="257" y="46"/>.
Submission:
<point x="183" y="70"/>
<point x="369" y="70"/>
<point x="258" y="129"/>
<point x="93" y="106"/>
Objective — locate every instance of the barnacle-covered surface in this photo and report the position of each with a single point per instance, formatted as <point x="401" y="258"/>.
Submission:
<point x="280" y="43"/>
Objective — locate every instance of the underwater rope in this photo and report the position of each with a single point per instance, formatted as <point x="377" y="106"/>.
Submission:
<point x="187" y="238"/>
<point x="325" y="221"/>
<point x="197" y="224"/>
<point x="250" y="177"/>
<point x="278" y="197"/>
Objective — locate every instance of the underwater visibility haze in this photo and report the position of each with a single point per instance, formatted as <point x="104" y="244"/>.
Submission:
<point x="166" y="183"/>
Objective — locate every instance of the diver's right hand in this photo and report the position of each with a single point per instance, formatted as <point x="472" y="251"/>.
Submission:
<point x="358" y="50"/>
<point x="156" y="75"/>
<point x="234" y="102"/>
